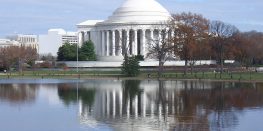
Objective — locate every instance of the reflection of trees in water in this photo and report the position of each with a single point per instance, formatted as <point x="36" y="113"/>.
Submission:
<point x="218" y="106"/>
<point x="18" y="93"/>
<point x="131" y="89"/>
<point x="69" y="93"/>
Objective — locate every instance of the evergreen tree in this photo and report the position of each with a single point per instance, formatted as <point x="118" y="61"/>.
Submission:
<point x="67" y="52"/>
<point x="130" y="66"/>
<point x="88" y="51"/>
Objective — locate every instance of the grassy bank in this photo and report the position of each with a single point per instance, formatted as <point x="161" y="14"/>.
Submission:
<point x="236" y="76"/>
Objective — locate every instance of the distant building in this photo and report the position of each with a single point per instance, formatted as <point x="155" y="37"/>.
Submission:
<point x="8" y="42"/>
<point x="55" y="38"/>
<point x="25" y="40"/>
<point x="20" y="40"/>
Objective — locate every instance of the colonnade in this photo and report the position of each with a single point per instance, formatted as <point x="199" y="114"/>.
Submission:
<point x="117" y="42"/>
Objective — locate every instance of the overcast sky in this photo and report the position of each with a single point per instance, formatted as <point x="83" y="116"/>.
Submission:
<point x="37" y="16"/>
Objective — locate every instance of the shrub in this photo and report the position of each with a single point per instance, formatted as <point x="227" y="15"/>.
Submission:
<point x="130" y="66"/>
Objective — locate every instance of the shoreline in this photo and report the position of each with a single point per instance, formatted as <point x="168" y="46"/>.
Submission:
<point x="75" y="77"/>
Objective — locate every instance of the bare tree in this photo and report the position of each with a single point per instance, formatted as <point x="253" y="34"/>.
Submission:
<point x="190" y="31"/>
<point x="17" y="55"/>
<point x="161" y="47"/>
<point x="256" y="46"/>
<point x="220" y="34"/>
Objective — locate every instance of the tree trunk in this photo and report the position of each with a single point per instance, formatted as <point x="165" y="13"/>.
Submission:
<point x="185" y="66"/>
<point x="160" y="69"/>
<point x="221" y="65"/>
<point x="192" y="67"/>
<point x="20" y="66"/>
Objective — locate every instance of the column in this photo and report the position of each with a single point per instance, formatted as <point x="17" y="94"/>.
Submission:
<point x="144" y="105"/>
<point x="135" y="49"/>
<point x="86" y="36"/>
<point x="151" y="35"/>
<point x="120" y="99"/>
<point x="89" y="35"/>
<point x="128" y="108"/>
<point x="152" y="109"/>
<point x="103" y="103"/>
<point x="160" y="111"/>
<point x="136" y="106"/>
<point x="151" y="40"/>
<point x="173" y="109"/>
<point x="120" y="43"/>
<point x="160" y="37"/>
<point x="114" y="104"/>
<point x="102" y="43"/>
<point x="143" y="42"/>
<point x="113" y="43"/>
<point x="108" y="103"/>
<point x="127" y="42"/>
<point x="108" y="43"/>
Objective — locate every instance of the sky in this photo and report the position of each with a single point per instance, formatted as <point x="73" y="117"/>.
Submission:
<point x="37" y="16"/>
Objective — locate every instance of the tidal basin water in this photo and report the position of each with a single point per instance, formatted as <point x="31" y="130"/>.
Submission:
<point x="130" y="105"/>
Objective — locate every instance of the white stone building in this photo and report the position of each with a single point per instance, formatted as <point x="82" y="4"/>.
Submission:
<point x="131" y="26"/>
<point x="24" y="40"/>
<point x="49" y="43"/>
<point x="8" y="42"/>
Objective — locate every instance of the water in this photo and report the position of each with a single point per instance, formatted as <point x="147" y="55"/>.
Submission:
<point x="72" y="105"/>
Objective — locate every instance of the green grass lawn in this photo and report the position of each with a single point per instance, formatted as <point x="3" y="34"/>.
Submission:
<point x="242" y="76"/>
<point x="214" y="76"/>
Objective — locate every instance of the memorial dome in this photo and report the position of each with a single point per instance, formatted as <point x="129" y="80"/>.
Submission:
<point x="139" y="11"/>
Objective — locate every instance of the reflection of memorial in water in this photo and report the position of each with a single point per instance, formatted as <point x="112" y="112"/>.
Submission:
<point x="179" y="105"/>
<point x="18" y="93"/>
<point x="135" y="103"/>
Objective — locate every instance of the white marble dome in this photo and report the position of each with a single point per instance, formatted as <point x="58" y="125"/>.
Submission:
<point x="139" y="11"/>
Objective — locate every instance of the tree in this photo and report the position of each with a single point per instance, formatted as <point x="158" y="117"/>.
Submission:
<point x="191" y="30"/>
<point x="130" y="66"/>
<point x="161" y="47"/>
<point x="67" y="93"/>
<point x="67" y="52"/>
<point x="255" y="40"/>
<point x="220" y="34"/>
<point x="48" y="60"/>
<point x="17" y="56"/>
<point x="87" y="51"/>
<point x="239" y="49"/>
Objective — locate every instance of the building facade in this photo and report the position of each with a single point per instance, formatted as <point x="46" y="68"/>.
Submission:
<point x="128" y="30"/>
<point x="56" y="38"/>
<point x="24" y="40"/>
<point x="8" y="42"/>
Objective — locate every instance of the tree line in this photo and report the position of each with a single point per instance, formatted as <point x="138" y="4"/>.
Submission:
<point x="192" y="37"/>
<point x="68" y="52"/>
<point x="17" y="57"/>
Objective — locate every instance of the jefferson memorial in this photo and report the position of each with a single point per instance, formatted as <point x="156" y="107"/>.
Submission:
<point x="129" y="28"/>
